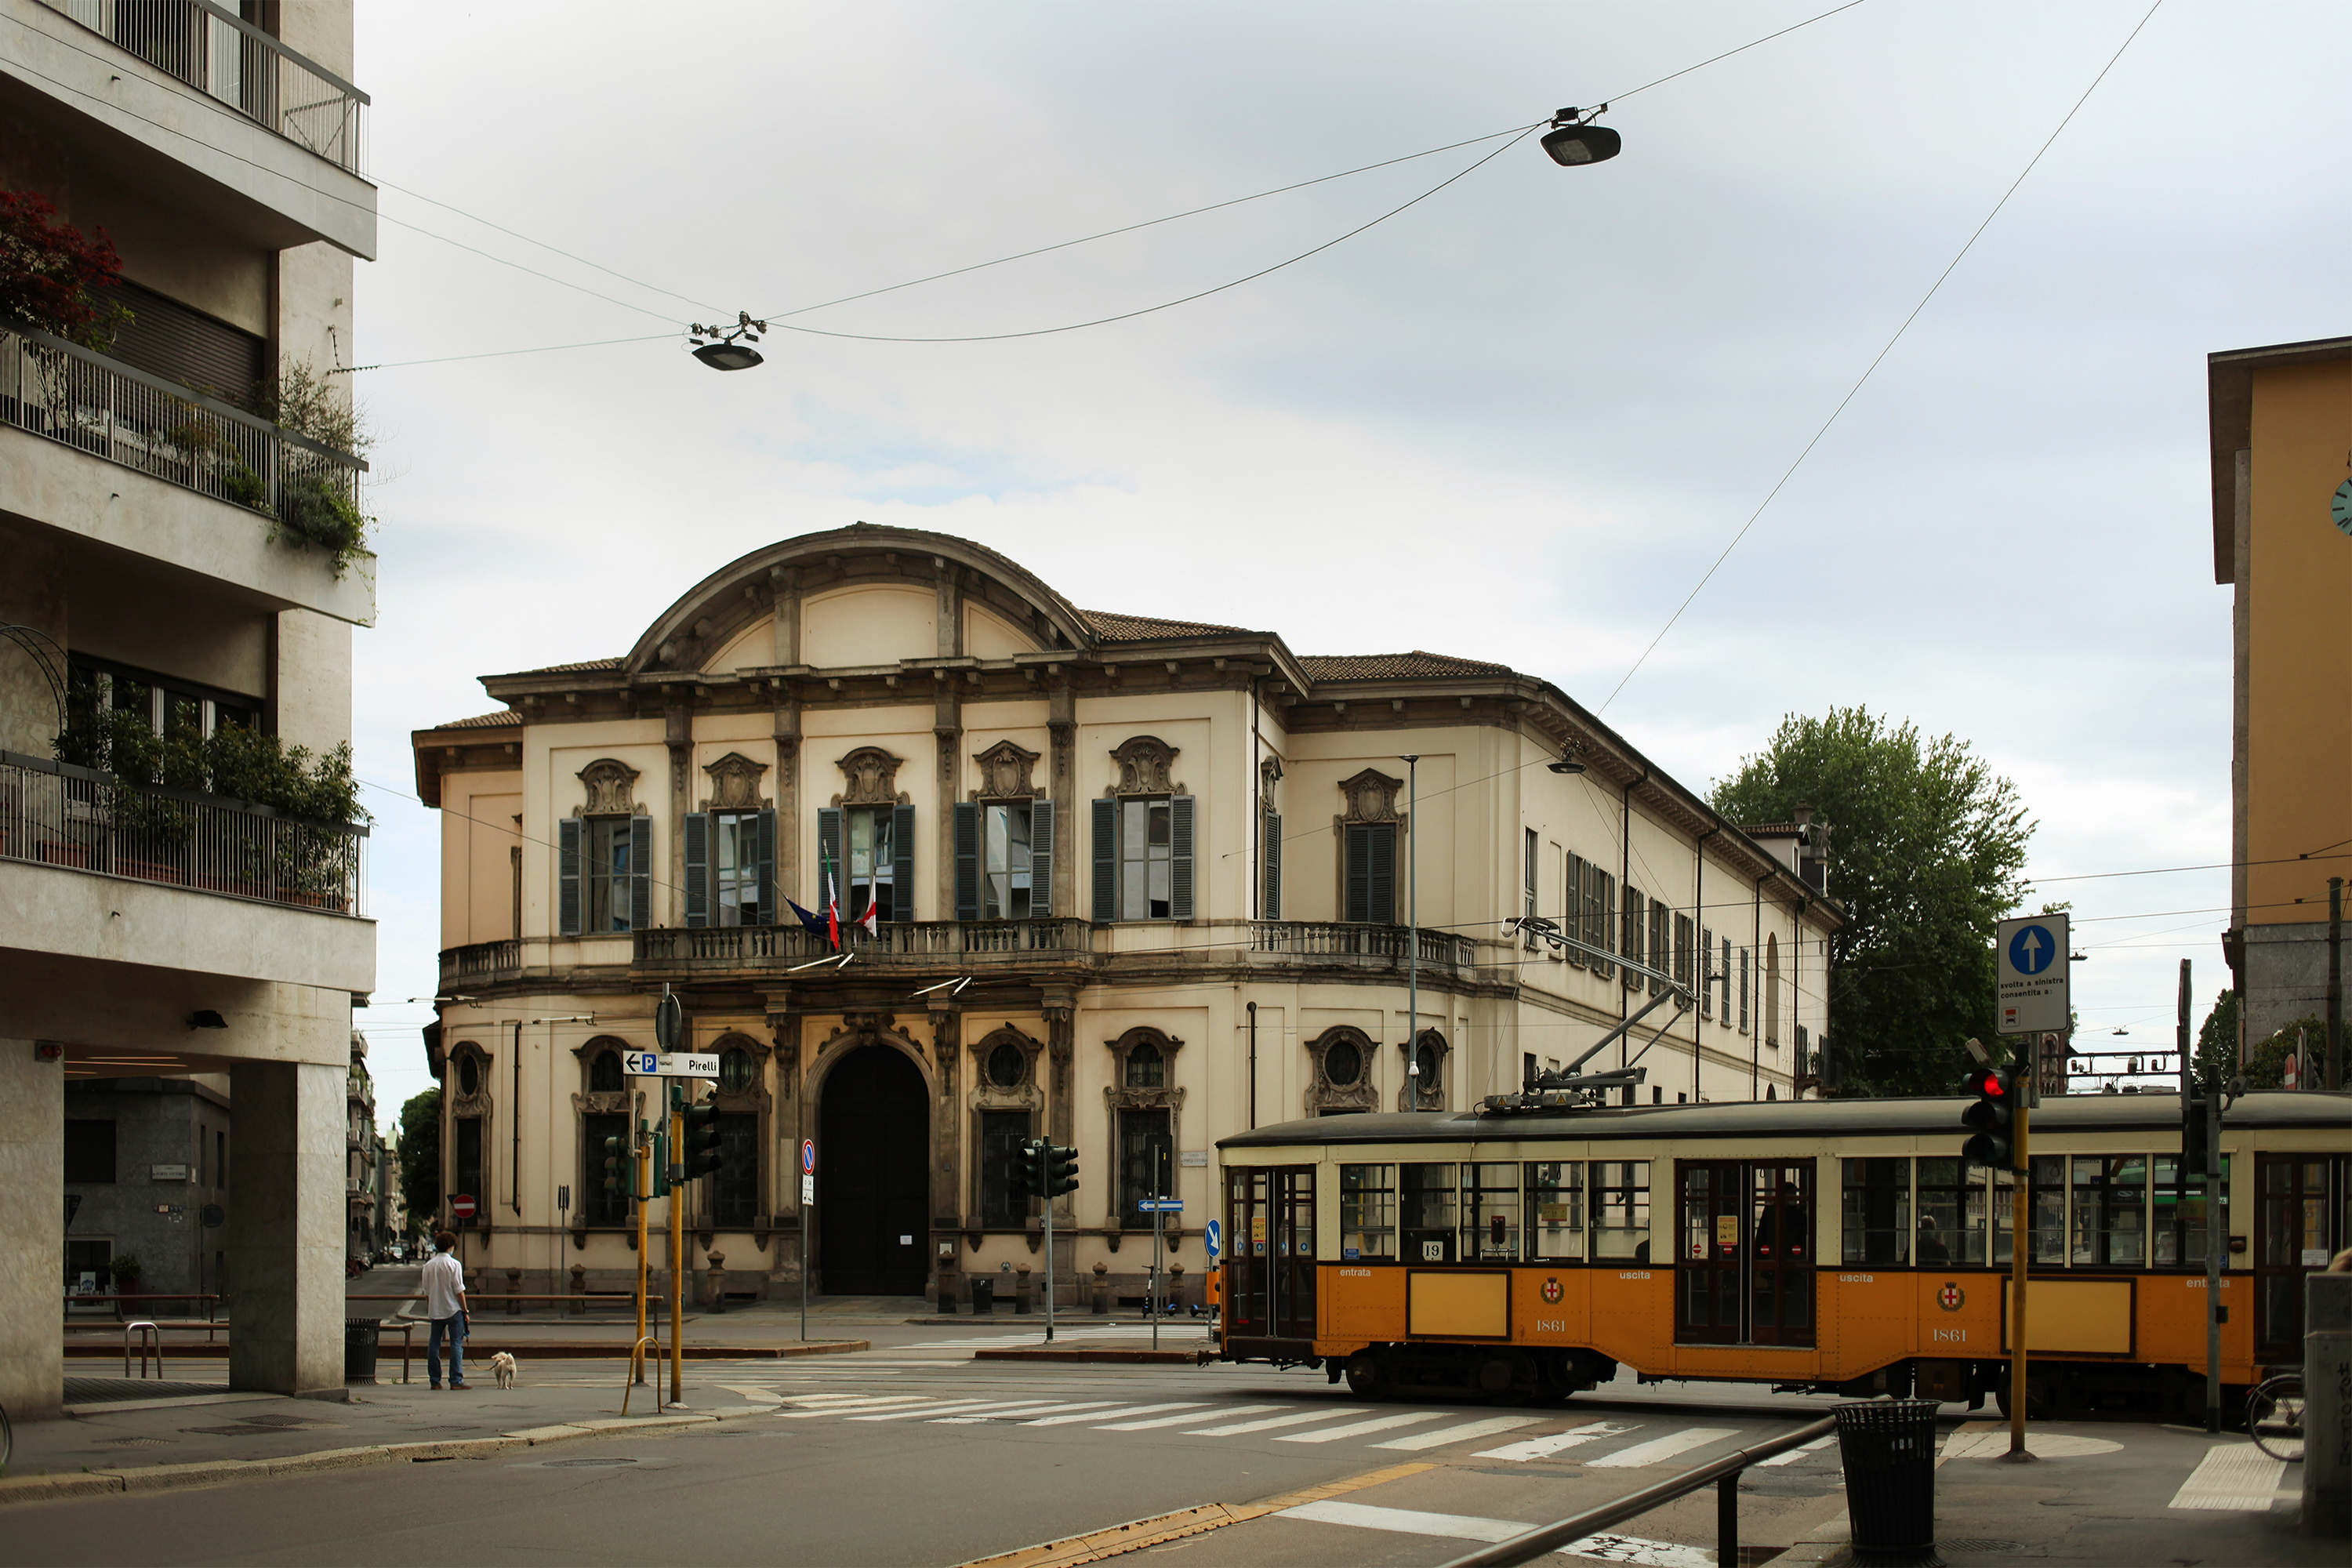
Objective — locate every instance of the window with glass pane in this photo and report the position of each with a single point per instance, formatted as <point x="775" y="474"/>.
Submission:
<point x="1146" y="849"/>
<point x="1367" y="1211"/>
<point x="1621" y="1209"/>
<point x="1001" y="1133"/>
<point x="1145" y="1068"/>
<point x="1555" y="1210"/>
<point x="2045" y="1199"/>
<point x="1425" y="1211"/>
<point x="1146" y="1164"/>
<point x="605" y="855"/>
<point x="1876" y="1216"/>
<point x="1490" y="1212"/>
<point x="735" y="1190"/>
<point x="1005" y="883"/>
<point x="872" y="866"/>
<point x="2177" y="1231"/>
<point x="2109" y="1224"/>
<point x="1951" y="1208"/>
<point x="735" y="868"/>
<point x="604" y="1207"/>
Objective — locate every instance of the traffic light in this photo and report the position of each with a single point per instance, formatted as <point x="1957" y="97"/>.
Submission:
<point x="661" y="1162"/>
<point x="1991" y="1120"/>
<point x="2196" y="1141"/>
<point x="1023" y="1174"/>
<point x="701" y="1157"/>
<point x="617" y="1176"/>
<point x="1061" y="1170"/>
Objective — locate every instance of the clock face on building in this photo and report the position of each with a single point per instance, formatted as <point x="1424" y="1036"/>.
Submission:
<point x="2340" y="509"/>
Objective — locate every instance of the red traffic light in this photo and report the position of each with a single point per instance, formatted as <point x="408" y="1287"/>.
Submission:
<point x="1987" y="1083"/>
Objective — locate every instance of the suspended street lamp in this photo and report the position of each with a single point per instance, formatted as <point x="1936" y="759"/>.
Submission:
<point x="1573" y="139"/>
<point x="729" y="347"/>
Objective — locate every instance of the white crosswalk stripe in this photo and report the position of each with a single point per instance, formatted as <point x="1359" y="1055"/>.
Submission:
<point x="1405" y="1520"/>
<point x="1238" y="1427"/>
<point x="1096" y="1414"/>
<point x="1794" y="1455"/>
<point x="1659" y="1449"/>
<point x="1183" y="1420"/>
<point x="942" y="1408"/>
<point x="1021" y="1411"/>
<point x="1355" y="1429"/>
<point x="1540" y="1447"/>
<point x="1462" y="1434"/>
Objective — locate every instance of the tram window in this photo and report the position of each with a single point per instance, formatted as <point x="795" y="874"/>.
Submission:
<point x="1425" y="1205"/>
<point x="1621" y="1209"/>
<point x="2046" y="1197"/>
<point x="1490" y="1212"/>
<point x="1555" y="1210"/>
<point x="1367" y="1211"/>
<point x="2178" y="1232"/>
<point x="1877" y="1220"/>
<point x="1951" y="1213"/>
<point x="2110" y="1218"/>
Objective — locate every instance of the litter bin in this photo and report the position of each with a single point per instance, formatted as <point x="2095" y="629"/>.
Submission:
<point x="1888" y="1447"/>
<point x="359" y="1349"/>
<point x="983" y="1295"/>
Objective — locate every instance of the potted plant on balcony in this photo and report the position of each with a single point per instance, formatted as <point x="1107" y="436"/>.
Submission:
<point x="49" y="278"/>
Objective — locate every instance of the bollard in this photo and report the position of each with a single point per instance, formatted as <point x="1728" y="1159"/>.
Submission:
<point x="947" y="1291"/>
<point x="514" y="1292"/>
<point x="2327" y="1404"/>
<point x="717" y="1288"/>
<point x="1102" y="1289"/>
<point x="1020" y="1291"/>
<point x="1175" y="1287"/>
<point x="983" y="1295"/>
<point x="579" y="1289"/>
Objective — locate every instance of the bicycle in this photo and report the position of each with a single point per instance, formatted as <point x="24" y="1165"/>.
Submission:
<point x="7" y="1440"/>
<point x="2274" y="1416"/>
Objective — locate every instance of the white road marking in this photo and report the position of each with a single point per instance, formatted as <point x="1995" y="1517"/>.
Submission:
<point x="1406" y="1520"/>
<point x="1356" y="1429"/>
<point x="1182" y="1420"/>
<point x="1461" y="1434"/>
<point x="1658" y="1449"/>
<point x="1993" y="1443"/>
<point x="942" y="1408"/>
<point x="2234" y="1478"/>
<point x="1634" y="1549"/>
<point x="1014" y="1412"/>
<point x="1794" y="1455"/>
<point x="1096" y="1412"/>
<point x="1575" y="1437"/>
<point x="1271" y="1422"/>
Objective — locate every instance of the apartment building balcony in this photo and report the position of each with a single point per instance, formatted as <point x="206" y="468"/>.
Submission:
<point x="480" y="963"/>
<point x="166" y="89"/>
<point x="91" y="869"/>
<point x="206" y="480"/>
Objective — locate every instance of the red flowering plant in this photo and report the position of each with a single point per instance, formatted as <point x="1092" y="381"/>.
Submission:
<point x="49" y="273"/>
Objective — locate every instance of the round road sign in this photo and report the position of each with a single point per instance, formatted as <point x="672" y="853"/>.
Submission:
<point x="461" y="1204"/>
<point x="808" y="1156"/>
<point x="1213" y="1234"/>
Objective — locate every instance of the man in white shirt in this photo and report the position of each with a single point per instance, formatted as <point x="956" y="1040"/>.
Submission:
<point x="444" y="1303"/>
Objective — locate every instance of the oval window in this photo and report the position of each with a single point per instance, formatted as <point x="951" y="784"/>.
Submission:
<point x="469" y="1075"/>
<point x="1343" y="1064"/>
<point x="735" y="1069"/>
<point x="1008" y="1066"/>
<point x="1427" y="1059"/>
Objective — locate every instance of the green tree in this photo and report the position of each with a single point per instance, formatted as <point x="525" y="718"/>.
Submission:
<point x="420" y="1156"/>
<point x="2217" y="1043"/>
<point x="1926" y="854"/>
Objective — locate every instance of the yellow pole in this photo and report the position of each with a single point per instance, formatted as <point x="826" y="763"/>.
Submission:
<point x="676" y="1258"/>
<point x="645" y="1194"/>
<point x="2020" y="1245"/>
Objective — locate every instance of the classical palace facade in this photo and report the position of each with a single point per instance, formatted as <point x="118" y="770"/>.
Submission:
<point x="1133" y="885"/>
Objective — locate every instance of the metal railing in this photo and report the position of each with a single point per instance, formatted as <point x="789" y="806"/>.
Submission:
<point x="480" y="960"/>
<point x="1723" y="1473"/>
<point x="58" y="815"/>
<point x="909" y="940"/>
<point x="235" y="63"/>
<point x="1311" y="939"/>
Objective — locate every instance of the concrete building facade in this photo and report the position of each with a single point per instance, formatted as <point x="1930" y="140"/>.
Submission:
<point x="146" y="1168"/>
<point x="147" y="934"/>
<point x="2282" y="454"/>
<point x="1133" y="885"/>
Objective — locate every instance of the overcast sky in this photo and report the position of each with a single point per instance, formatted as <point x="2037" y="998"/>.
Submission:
<point x="1517" y="422"/>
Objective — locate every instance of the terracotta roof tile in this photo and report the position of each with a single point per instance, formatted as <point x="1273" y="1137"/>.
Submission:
<point x="1394" y="666"/>
<point x="613" y="663"/>
<point x="1112" y="627"/>
<point x="483" y="720"/>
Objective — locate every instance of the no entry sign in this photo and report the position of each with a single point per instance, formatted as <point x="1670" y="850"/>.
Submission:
<point x="461" y="1204"/>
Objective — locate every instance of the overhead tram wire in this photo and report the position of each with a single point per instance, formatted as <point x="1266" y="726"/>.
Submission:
<point x="1879" y="359"/>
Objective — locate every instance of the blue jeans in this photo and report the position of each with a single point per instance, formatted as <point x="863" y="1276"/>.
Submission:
<point x="455" y="1329"/>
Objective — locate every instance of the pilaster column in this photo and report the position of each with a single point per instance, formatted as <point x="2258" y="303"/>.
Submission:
<point x="286" y="1220"/>
<point x="678" y="735"/>
<point x="1062" y="772"/>
<point x="947" y="728"/>
<point x="788" y="799"/>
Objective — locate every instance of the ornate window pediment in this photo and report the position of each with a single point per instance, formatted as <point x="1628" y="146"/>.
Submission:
<point x="1269" y="773"/>
<point x="1372" y="796"/>
<point x="735" y="783"/>
<point x="1004" y="770"/>
<point x="742" y="1082"/>
<point x="1427" y="1089"/>
<point x="610" y="783"/>
<point x="872" y="775"/>
<point x="1005" y="1076"/>
<point x="1144" y="1072"/>
<point x="1145" y="764"/>
<point x="1343" y="1059"/>
<point x="469" y="1079"/>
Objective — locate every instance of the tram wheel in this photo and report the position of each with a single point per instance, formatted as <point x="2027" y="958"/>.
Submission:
<point x="1365" y="1379"/>
<point x="2037" y="1397"/>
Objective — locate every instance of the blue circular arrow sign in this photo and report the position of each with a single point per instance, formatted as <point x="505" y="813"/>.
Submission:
<point x="2032" y="950"/>
<point x="1214" y="1236"/>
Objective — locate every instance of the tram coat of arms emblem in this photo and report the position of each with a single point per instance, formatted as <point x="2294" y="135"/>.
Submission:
<point x="1951" y="1297"/>
<point x="1551" y="1293"/>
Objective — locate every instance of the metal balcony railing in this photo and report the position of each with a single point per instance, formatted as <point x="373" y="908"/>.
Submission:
<point x="911" y="941"/>
<point x="1311" y="939"/>
<point x="235" y="63"/>
<point x="58" y="815"/>
<point x="79" y="397"/>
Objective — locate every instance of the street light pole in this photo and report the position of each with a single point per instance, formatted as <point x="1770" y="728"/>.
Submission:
<point x="1412" y="932"/>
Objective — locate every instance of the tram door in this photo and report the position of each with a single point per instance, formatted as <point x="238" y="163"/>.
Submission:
<point x="1744" y="1258"/>
<point x="1270" y="1282"/>
<point x="2296" y="1231"/>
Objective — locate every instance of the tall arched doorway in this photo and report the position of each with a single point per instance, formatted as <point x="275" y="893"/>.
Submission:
<point x="874" y="1186"/>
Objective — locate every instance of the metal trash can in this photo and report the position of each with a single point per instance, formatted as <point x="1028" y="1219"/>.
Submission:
<point x="359" y="1349"/>
<point x="983" y="1295"/>
<point x="1888" y="1448"/>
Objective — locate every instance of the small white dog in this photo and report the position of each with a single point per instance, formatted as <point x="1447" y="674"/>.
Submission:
<point x="503" y="1365"/>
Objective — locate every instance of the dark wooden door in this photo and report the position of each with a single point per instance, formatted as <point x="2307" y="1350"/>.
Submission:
<point x="2293" y="1236"/>
<point x="1270" y="1256"/>
<point x="872" y="1185"/>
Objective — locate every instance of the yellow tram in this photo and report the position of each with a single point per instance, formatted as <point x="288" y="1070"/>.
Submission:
<point x="1529" y="1250"/>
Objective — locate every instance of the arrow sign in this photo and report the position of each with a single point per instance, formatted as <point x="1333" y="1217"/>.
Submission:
<point x="2031" y="974"/>
<point x="1213" y="1236"/>
<point x="644" y="1064"/>
<point x="2030" y="949"/>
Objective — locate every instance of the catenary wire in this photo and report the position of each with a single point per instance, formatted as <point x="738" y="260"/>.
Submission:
<point x="1876" y="360"/>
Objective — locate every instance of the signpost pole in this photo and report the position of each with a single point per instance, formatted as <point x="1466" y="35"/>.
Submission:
<point x="1049" y="1269"/>
<point x="808" y="1190"/>
<point x="676" y="1250"/>
<point x="644" y="1195"/>
<point x="2021" y="1247"/>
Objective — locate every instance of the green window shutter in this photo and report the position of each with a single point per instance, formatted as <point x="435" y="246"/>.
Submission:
<point x="697" y="867"/>
<point x="770" y="906"/>
<point x="641" y="878"/>
<point x="1040" y="859"/>
<point x="902" y="863"/>
<point x="1105" y="860"/>
<point x="1660" y="958"/>
<point x="567" y="876"/>
<point x="1705" y="981"/>
<point x="1571" y="908"/>
<point x="828" y="855"/>
<point x="1355" y="901"/>
<point x="1180" y="857"/>
<point x="967" y="861"/>
<point x="1273" y="845"/>
<point x="1381" y="878"/>
<point x="1604" y="905"/>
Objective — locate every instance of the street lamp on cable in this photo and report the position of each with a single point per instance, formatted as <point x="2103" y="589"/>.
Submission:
<point x="729" y="348"/>
<point x="1574" y="140"/>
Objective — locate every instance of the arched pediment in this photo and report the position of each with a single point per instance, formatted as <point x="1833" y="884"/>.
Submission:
<point x="711" y="618"/>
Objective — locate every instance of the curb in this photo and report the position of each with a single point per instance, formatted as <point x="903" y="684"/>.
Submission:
<point x="556" y="1350"/>
<point x="1116" y="1357"/>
